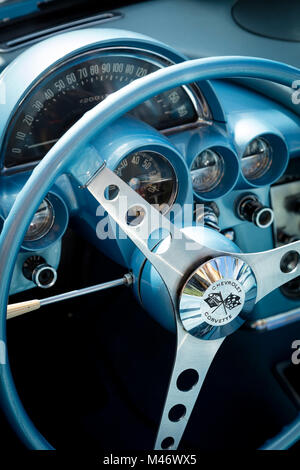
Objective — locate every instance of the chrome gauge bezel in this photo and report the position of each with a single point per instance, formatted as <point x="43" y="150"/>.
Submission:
<point x="57" y="229"/>
<point x="229" y="177"/>
<point x="258" y="174"/>
<point x="219" y="176"/>
<point x="277" y="166"/>
<point x="48" y="228"/>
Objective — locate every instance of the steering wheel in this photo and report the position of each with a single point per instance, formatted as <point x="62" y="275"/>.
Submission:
<point x="212" y="292"/>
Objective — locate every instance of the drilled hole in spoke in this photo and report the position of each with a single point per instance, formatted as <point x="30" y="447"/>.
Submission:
<point x="187" y="380"/>
<point x="135" y="215"/>
<point x="161" y="237"/>
<point x="289" y="262"/>
<point x="111" y="192"/>
<point x="167" y="443"/>
<point x="177" y="412"/>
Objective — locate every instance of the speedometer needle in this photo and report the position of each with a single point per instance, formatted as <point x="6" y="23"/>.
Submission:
<point x="139" y="182"/>
<point x="47" y="142"/>
<point x="148" y="179"/>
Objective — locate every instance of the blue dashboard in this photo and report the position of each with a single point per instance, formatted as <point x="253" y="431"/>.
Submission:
<point x="210" y="144"/>
<point x="219" y="158"/>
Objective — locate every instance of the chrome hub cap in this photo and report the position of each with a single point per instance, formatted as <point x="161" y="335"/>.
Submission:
<point x="217" y="298"/>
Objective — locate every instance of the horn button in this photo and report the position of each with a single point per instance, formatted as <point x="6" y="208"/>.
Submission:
<point x="217" y="298"/>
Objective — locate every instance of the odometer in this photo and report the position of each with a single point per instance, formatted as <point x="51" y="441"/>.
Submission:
<point x="67" y="92"/>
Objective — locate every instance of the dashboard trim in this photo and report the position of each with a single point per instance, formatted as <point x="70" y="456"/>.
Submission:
<point x="30" y="39"/>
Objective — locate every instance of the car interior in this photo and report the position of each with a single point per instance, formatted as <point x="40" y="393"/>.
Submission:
<point x="149" y="225"/>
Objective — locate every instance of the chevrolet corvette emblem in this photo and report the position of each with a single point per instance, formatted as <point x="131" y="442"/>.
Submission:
<point x="216" y="299"/>
<point x="222" y="302"/>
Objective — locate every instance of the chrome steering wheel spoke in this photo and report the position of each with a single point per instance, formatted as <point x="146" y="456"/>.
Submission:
<point x="271" y="268"/>
<point x="212" y="292"/>
<point x="193" y="359"/>
<point x="274" y="268"/>
<point x="193" y="355"/>
<point x="181" y="254"/>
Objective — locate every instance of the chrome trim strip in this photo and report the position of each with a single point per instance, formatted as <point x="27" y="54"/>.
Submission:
<point x="186" y="127"/>
<point x="276" y="321"/>
<point x="29" y="39"/>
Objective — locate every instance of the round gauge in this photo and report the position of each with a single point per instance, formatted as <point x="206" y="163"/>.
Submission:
<point x="257" y="159"/>
<point x="75" y="87"/>
<point x="207" y="171"/>
<point x="41" y="223"/>
<point x="152" y="176"/>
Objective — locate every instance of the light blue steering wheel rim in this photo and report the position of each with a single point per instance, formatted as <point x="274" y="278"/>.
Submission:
<point x="62" y="156"/>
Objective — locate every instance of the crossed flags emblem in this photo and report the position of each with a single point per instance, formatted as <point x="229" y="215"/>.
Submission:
<point x="216" y="299"/>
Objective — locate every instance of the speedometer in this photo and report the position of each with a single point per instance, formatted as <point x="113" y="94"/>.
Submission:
<point x="66" y="93"/>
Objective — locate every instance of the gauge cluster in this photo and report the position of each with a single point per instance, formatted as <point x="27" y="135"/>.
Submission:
<point x="187" y="145"/>
<point x="216" y="170"/>
<point x="65" y="91"/>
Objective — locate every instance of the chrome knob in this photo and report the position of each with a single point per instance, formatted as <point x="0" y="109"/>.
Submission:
<point x="37" y="270"/>
<point x="251" y="209"/>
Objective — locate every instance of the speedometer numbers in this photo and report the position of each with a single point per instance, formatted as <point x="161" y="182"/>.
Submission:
<point x="66" y="93"/>
<point x="152" y="176"/>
